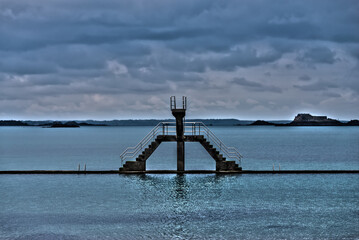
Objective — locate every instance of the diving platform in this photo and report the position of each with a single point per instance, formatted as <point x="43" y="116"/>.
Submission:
<point x="228" y="159"/>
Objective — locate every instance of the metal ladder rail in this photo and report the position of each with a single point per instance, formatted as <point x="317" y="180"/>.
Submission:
<point x="136" y="152"/>
<point x="231" y="152"/>
<point x="212" y="137"/>
<point x="161" y="127"/>
<point x="153" y="133"/>
<point x="233" y="148"/>
<point x="234" y="155"/>
<point x="148" y="134"/>
<point x="169" y="125"/>
<point x="127" y="154"/>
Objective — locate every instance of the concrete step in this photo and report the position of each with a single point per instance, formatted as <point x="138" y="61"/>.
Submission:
<point x="134" y="166"/>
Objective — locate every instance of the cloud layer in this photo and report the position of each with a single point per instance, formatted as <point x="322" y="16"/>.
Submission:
<point x="123" y="59"/>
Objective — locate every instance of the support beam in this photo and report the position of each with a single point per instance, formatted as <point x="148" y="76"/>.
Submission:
<point x="179" y="114"/>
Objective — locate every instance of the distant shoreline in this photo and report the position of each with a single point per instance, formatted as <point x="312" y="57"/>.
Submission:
<point x="154" y="122"/>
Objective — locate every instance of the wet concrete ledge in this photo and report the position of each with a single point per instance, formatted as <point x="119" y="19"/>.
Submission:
<point x="184" y="172"/>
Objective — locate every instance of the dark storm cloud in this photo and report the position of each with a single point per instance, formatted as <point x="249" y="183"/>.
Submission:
<point x="332" y="95"/>
<point x="243" y="58"/>
<point x="255" y="86"/>
<point x="304" y="78"/>
<point x="318" y="55"/>
<point x="317" y="86"/>
<point x="73" y="56"/>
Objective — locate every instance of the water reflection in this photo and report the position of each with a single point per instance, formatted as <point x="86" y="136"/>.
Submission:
<point x="174" y="206"/>
<point x="181" y="186"/>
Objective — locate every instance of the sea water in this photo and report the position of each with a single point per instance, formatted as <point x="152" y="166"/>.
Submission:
<point x="209" y="206"/>
<point x="29" y="148"/>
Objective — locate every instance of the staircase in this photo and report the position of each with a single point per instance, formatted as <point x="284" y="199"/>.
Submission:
<point x="221" y="163"/>
<point x="194" y="132"/>
<point x="140" y="163"/>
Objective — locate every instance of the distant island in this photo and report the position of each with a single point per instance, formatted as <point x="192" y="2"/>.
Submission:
<point x="71" y="124"/>
<point x="261" y="123"/>
<point x="302" y="119"/>
<point x="306" y="119"/>
<point x="130" y="122"/>
<point x="12" y="123"/>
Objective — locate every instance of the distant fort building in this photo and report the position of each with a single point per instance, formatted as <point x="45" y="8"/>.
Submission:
<point x="306" y="117"/>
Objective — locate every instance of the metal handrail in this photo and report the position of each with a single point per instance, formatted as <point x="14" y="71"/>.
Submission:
<point x="140" y="145"/>
<point x="231" y="152"/>
<point x="173" y="102"/>
<point x="151" y="135"/>
<point x="196" y="128"/>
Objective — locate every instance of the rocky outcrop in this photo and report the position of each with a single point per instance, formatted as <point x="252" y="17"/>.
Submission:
<point x="261" y="123"/>
<point x="354" y="122"/>
<point x="305" y="119"/>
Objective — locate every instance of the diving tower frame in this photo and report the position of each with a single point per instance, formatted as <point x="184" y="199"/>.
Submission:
<point x="183" y="132"/>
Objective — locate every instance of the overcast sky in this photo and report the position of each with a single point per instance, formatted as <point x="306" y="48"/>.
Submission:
<point x="120" y="59"/>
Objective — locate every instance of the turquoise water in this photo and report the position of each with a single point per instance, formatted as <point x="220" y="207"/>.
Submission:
<point x="208" y="206"/>
<point x="100" y="147"/>
<point x="179" y="207"/>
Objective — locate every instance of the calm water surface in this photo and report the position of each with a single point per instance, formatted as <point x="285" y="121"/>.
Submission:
<point x="179" y="207"/>
<point x="100" y="147"/>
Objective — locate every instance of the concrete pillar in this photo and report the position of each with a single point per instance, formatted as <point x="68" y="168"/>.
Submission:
<point x="179" y="114"/>
<point x="180" y="156"/>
